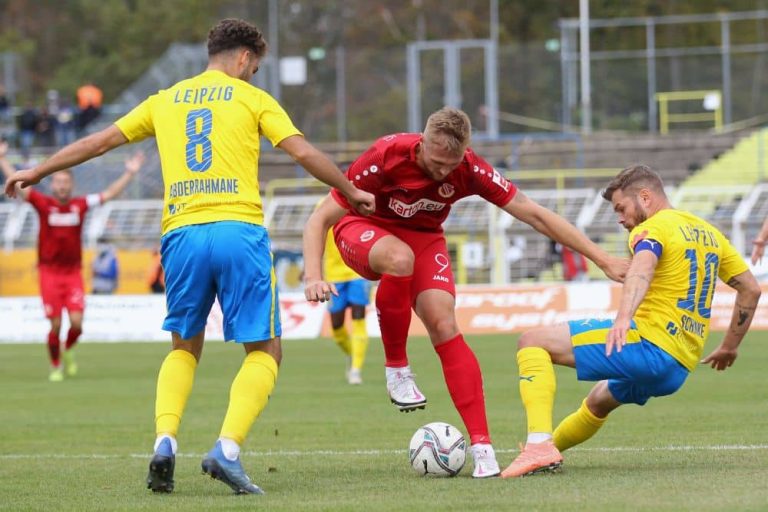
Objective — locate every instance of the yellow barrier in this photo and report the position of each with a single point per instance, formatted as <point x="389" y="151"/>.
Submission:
<point x="18" y="272"/>
<point x="665" y="118"/>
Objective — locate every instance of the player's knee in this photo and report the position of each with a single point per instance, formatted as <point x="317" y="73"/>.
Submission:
<point x="441" y="329"/>
<point x="401" y="262"/>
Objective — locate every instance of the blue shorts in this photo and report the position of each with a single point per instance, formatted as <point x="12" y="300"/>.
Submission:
<point x="229" y="260"/>
<point x="641" y="370"/>
<point x="351" y="293"/>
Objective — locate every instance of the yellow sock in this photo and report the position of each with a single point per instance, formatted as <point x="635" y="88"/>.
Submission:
<point x="249" y="394"/>
<point x="537" y="387"/>
<point x="341" y="337"/>
<point x="359" y="343"/>
<point x="174" y="383"/>
<point x="577" y="428"/>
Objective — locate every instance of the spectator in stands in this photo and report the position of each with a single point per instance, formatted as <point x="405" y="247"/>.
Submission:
<point x="575" y="266"/>
<point x="417" y="178"/>
<point x="60" y="254"/>
<point x="5" y="106"/>
<point x="66" y="131"/>
<point x="105" y="269"/>
<point x="27" y="123"/>
<point x="89" y="99"/>
<point x="155" y="275"/>
<point x="46" y="128"/>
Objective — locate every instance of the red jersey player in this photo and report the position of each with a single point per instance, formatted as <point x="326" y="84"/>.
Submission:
<point x="416" y="178"/>
<point x="59" y="254"/>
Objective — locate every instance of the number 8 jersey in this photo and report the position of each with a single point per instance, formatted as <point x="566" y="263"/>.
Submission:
<point x="207" y="129"/>
<point x="692" y="253"/>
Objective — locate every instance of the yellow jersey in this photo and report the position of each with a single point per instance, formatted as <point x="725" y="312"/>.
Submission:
<point x="675" y="312"/>
<point x="207" y="129"/>
<point x="334" y="268"/>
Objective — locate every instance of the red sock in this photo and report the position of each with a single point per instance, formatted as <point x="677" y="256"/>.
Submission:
<point x="54" y="347"/>
<point x="393" y="305"/>
<point x="465" y="384"/>
<point x="72" y="336"/>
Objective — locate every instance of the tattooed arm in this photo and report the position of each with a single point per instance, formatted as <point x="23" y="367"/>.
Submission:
<point x="747" y="297"/>
<point x="633" y="292"/>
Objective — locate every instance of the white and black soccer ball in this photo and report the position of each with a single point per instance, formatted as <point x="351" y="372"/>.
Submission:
<point x="438" y="449"/>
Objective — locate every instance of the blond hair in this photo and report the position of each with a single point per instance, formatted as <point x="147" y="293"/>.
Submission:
<point x="449" y="127"/>
<point x="634" y="178"/>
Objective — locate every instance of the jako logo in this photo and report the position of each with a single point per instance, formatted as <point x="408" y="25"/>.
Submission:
<point x="409" y="210"/>
<point x="446" y="190"/>
<point x="367" y="236"/>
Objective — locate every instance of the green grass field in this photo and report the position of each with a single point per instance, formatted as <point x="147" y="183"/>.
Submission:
<point x="84" y="444"/>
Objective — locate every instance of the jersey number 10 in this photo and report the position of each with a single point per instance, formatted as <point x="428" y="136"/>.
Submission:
<point x="711" y="265"/>
<point x="197" y="137"/>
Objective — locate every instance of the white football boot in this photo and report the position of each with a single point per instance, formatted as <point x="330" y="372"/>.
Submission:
<point x="354" y="376"/>
<point x="485" y="461"/>
<point x="403" y="391"/>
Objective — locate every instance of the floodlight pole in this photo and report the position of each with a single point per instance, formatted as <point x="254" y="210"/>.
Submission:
<point x="586" y="102"/>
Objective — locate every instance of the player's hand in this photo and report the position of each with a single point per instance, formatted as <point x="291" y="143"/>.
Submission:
<point x="24" y="179"/>
<point x="362" y="201"/>
<point x="616" y="268"/>
<point x="721" y="358"/>
<point x="3" y="148"/>
<point x="134" y="163"/>
<point x="317" y="290"/>
<point x="617" y="336"/>
<point x="758" y="248"/>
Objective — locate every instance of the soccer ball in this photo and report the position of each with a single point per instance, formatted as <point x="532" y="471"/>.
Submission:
<point x="438" y="449"/>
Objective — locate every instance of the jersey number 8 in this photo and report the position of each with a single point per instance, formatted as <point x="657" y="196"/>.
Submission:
<point x="197" y="136"/>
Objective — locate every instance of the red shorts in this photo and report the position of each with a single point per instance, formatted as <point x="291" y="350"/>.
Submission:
<point x="61" y="289"/>
<point x="432" y="269"/>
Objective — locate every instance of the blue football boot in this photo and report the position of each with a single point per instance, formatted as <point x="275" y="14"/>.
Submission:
<point x="160" y="478"/>
<point x="230" y="472"/>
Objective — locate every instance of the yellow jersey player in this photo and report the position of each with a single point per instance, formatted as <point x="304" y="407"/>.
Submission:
<point x="353" y="293"/>
<point x="658" y="335"/>
<point x="213" y="242"/>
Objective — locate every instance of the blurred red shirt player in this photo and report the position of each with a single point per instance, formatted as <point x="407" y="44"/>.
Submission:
<point x="59" y="253"/>
<point x="416" y="178"/>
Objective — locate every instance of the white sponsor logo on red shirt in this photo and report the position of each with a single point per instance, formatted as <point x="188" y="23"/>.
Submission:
<point x="409" y="210"/>
<point x="367" y="236"/>
<point x="64" y="219"/>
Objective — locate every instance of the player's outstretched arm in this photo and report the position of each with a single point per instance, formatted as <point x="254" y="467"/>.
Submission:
<point x="633" y="292"/>
<point x="132" y="166"/>
<point x="315" y="232"/>
<point x="557" y="228"/>
<point x="747" y="296"/>
<point x="76" y="153"/>
<point x="322" y="168"/>
<point x="8" y="169"/>
<point x="758" y="245"/>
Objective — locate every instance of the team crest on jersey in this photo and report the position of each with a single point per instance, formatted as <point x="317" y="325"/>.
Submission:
<point x="639" y="237"/>
<point x="446" y="190"/>
<point x="367" y="236"/>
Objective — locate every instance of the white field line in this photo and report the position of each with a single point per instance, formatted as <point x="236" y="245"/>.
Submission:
<point x="378" y="453"/>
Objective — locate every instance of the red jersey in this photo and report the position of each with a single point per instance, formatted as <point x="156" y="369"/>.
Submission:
<point x="407" y="197"/>
<point x="61" y="227"/>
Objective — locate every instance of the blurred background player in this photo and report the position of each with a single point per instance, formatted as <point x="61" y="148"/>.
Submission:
<point x="59" y="252"/>
<point x="658" y="335"/>
<point x="214" y="244"/>
<point x="353" y="293"/>
<point x="416" y="178"/>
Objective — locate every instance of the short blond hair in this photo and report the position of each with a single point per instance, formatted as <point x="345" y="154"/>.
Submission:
<point x="449" y="127"/>
<point x="634" y="178"/>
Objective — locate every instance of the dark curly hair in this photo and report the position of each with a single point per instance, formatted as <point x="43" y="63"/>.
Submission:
<point x="231" y="33"/>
